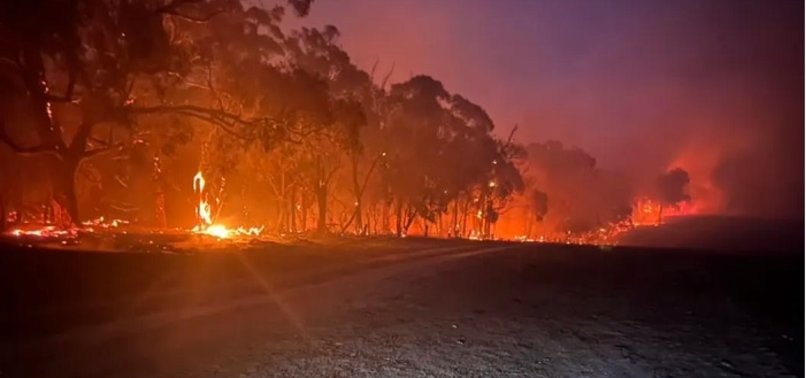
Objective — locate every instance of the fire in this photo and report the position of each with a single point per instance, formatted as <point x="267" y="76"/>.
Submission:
<point x="647" y="212"/>
<point x="102" y="222"/>
<point x="48" y="231"/>
<point x="218" y="231"/>
<point x="203" y="213"/>
<point x="204" y="217"/>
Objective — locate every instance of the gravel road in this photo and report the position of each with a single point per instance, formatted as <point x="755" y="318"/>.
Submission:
<point x="402" y="309"/>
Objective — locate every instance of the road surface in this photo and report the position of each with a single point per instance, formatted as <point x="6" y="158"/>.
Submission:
<point x="402" y="308"/>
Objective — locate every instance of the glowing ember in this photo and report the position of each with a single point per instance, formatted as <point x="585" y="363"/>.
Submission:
<point x="103" y="223"/>
<point x="49" y="231"/>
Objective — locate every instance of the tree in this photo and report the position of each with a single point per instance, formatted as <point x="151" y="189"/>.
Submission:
<point x="583" y="197"/>
<point x="540" y="204"/>
<point x="81" y="74"/>
<point x="672" y="189"/>
<point x="317" y="52"/>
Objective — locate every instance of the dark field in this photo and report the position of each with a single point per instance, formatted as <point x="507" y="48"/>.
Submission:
<point x="409" y="307"/>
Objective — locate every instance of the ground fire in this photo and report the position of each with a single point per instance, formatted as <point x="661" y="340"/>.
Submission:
<point x="205" y="224"/>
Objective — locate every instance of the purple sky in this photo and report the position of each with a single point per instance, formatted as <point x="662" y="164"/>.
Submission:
<point x="639" y="84"/>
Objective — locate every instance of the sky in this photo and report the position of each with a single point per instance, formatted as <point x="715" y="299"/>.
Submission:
<point x="713" y="86"/>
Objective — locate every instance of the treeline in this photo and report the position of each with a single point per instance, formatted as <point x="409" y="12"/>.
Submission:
<point x="109" y="108"/>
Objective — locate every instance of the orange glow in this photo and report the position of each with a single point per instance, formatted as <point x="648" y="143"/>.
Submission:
<point x="48" y="231"/>
<point x="700" y="161"/>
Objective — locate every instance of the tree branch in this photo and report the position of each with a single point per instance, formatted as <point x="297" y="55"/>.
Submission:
<point x="175" y="4"/>
<point x="215" y="117"/>
<point x="101" y="150"/>
<point x="32" y="150"/>
<point x="172" y="9"/>
<point x="193" y="18"/>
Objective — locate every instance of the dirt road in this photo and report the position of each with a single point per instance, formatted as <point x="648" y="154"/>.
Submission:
<point x="415" y="308"/>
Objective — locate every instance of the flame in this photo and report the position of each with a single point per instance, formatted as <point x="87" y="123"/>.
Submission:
<point x="218" y="231"/>
<point x="203" y="210"/>
<point x="45" y="232"/>
<point x="103" y="223"/>
<point x="205" y="223"/>
<point x="647" y="212"/>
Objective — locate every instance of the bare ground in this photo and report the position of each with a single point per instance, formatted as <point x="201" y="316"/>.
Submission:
<point x="402" y="308"/>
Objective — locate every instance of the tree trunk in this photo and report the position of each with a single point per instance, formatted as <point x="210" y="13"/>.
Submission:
<point x="357" y="190"/>
<point x="464" y="217"/>
<point x="385" y="218"/>
<point x="2" y="214"/>
<point x="64" y="188"/>
<point x="455" y="219"/>
<point x="293" y="208"/>
<point x="321" y="201"/>
<point x="399" y="217"/>
<point x="410" y="217"/>
<point x="304" y="214"/>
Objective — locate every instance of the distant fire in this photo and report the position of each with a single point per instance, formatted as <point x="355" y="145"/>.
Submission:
<point x="647" y="212"/>
<point x="700" y="161"/>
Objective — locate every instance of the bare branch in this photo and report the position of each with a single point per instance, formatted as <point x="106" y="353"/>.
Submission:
<point x="197" y="111"/>
<point x="512" y="134"/>
<point x="388" y="75"/>
<point x="372" y="71"/>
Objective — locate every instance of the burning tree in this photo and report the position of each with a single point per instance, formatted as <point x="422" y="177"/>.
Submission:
<point x="78" y="75"/>
<point x="106" y="92"/>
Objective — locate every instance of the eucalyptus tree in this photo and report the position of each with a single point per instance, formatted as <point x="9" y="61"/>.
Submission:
<point x="79" y="76"/>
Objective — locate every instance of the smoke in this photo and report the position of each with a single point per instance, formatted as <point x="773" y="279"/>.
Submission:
<point x="713" y="87"/>
<point x="570" y="193"/>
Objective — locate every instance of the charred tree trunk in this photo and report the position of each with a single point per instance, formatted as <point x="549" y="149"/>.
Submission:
<point x="321" y="202"/>
<point x="293" y="209"/>
<point x="410" y="217"/>
<point x="64" y="187"/>
<point x="399" y="219"/>
<point x="2" y="214"/>
<point x="385" y="217"/>
<point x="160" y="218"/>
<point x="464" y="217"/>
<point x="358" y="190"/>
<point x="304" y="214"/>
<point x="455" y="219"/>
<point x="485" y="208"/>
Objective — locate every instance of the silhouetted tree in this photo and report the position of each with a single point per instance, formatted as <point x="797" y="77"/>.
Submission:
<point x="672" y="189"/>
